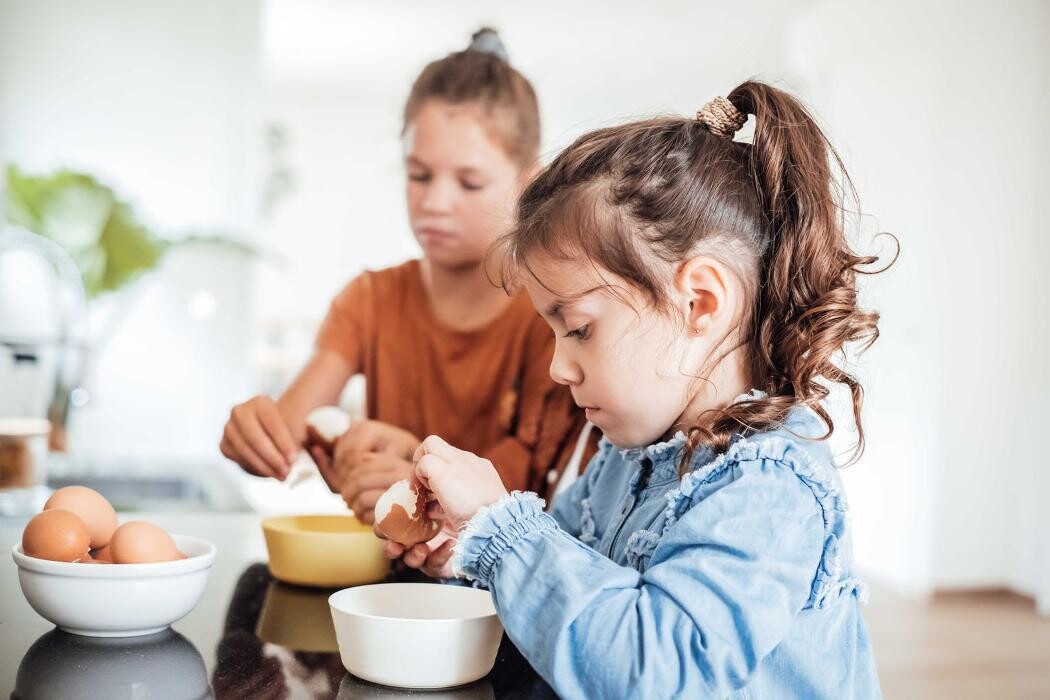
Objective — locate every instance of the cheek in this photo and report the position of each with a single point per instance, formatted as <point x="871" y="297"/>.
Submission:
<point x="647" y="365"/>
<point x="486" y="214"/>
<point x="413" y="195"/>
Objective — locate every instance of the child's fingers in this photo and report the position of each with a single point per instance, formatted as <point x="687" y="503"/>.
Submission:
<point x="392" y="550"/>
<point x="368" y="478"/>
<point x="429" y="467"/>
<point x="247" y="456"/>
<point x="252" y="431"/>
<point x="416" y="556"/>
<point x="363" y="436"/>
<point x="364" y="502"/>
<point x="437" y="565"/>
<point x="435" y="445"/>
<point x="435" y="511"/>
<point x="420" y="451"/>
<point x="440" y="556"/>
<point x="273" y="423"/>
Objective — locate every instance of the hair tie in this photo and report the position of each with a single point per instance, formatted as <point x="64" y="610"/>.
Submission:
<point x="721" y="117"/>
<point x="486" y="40"/>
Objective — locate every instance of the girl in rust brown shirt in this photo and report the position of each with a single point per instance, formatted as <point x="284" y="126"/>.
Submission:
<point x="443" y="351"/>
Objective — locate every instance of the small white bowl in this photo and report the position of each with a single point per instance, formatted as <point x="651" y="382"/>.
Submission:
<point x="116" y="600"/>
<point x="416" y="635"/>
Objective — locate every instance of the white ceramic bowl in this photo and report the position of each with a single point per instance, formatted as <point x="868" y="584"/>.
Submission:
<point x="416" y="635"/>
<point x="116" y="600"/>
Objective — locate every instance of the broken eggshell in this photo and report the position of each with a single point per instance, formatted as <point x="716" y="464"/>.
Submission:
<point x="325" y="425"/>
<point x="401" y="514"/>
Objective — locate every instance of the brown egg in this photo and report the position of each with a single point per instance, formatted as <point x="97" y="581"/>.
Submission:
<point x="57" y="535"/>
<point x="102" y="554"/>
<point x="89" y="560"/>
<point x="401" y="514"/>
<point x="138" y="542"/>
<point x="91" y="507"/>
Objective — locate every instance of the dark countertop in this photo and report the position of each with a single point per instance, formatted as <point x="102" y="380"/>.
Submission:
<point x="249" y="637"/>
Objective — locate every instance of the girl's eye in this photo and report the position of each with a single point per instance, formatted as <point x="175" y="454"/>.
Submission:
<point x="418" y="177"/>
<point x="579" y="333"/>
<point x="472" y="186"/>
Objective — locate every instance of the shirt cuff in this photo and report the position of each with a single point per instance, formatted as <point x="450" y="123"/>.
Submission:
<point x="495" y="529"/>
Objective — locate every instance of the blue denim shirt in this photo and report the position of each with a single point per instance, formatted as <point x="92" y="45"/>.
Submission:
<point x="734" y="581"/>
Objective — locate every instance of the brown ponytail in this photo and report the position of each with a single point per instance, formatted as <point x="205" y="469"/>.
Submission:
<point x="772" y="210"/>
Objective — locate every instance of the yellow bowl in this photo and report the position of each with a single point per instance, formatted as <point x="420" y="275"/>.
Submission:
<point x="327" y="551"/>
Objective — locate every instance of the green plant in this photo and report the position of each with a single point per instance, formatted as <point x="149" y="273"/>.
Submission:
<point x="99" y="231"/>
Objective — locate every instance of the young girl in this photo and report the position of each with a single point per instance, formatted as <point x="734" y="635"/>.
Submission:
<point x="441" y="349"/>
<point x="699" y="288"/>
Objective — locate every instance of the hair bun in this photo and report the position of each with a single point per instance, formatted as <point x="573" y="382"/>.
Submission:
<point x="486" y="40"/>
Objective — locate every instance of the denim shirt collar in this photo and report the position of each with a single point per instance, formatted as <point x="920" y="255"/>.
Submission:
<point x="667" y="451"/>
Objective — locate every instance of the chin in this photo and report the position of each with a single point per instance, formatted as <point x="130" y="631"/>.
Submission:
<point x="450" y="258"/>
<point x="629" y="439"/>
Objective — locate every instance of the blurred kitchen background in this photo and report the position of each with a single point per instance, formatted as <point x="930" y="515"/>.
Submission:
<point x="245" y="158"/>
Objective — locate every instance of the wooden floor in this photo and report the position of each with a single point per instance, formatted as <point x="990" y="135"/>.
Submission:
<point x="960" y="645"/>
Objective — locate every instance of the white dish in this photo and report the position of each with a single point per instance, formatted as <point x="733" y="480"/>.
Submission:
<point x="416" y="635"/>
<point x="116" y="600"/>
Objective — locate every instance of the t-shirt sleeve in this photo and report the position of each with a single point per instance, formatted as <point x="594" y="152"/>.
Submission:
<point x="346" y="328"/>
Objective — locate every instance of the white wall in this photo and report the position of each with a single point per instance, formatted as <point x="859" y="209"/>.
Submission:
<point x="159" y="100"/>
<point x="937" y="104"/>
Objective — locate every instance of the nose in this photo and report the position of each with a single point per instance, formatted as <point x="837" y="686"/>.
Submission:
<point x="564" y="370"/>
<point x="439" y="196"/>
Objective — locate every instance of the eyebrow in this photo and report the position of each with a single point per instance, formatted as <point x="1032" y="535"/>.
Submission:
<point x="555" y="308"/>
<point x="465" y="170"/>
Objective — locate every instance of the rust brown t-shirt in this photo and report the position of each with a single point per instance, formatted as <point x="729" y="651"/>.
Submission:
<point x="488" y="390"/>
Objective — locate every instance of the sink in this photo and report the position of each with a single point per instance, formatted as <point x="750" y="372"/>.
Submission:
<point x="177" y="487"/>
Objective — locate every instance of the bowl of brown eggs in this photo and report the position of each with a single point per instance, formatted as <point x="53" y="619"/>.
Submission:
<point x="89" y="576"/>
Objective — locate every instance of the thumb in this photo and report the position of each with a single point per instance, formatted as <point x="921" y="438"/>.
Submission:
<point x="431" y="470"/>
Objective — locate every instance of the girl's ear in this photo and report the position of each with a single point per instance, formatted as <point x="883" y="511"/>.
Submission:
<point x="703" y="285"/>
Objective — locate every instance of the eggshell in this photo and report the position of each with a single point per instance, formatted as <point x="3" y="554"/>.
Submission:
<point x="325" y="425"/>
<point x="401" y="514"/>
<point x="91" y="507"/>
<point x="57" y="535"/>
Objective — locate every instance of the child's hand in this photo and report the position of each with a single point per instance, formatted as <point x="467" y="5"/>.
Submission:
<point x="257" y="438"/>
<point x="374" y="473"/>
<point x="353" y="448"/>
<point x="366" y="436"/>
<point x="461" y="481"/>
<point x="432" y="558"/>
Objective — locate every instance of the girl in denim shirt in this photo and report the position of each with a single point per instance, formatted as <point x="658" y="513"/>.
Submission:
<point x="700" y="289"/>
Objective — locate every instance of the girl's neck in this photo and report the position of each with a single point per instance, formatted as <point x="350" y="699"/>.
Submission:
<point x="727" y="381"/>
<point x="462" y="298"/>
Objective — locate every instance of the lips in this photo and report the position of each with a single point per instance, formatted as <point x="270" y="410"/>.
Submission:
<point x="588" y="410"/>
<point x="431" y="232"/>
